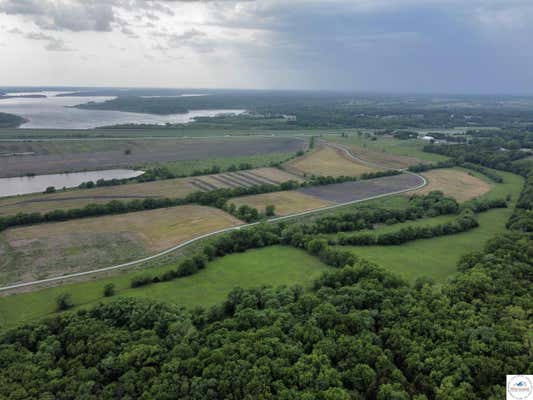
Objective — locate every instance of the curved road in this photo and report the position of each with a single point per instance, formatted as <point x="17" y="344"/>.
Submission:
<point x="423" y="182"/>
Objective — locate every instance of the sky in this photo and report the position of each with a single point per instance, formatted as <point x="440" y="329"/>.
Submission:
<point x="444" y="46"/>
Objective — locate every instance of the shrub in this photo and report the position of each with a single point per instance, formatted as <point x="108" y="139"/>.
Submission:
<point x="109" y="290"/>
<point x="270" y="210"/>
<point x="64" y="301"/>
<point x="141" y="281"/>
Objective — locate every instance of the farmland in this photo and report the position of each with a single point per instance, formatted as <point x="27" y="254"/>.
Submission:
<point x="270" y="266"/>
<point x="68" y="156"/>
<point x="455" y="183"/>
<point x="352" y="191"/>
<point x="39" y="251"/>
<point x="326" y="161"/>
<point x="180" y="187"/>
<point x="288" y="202"/>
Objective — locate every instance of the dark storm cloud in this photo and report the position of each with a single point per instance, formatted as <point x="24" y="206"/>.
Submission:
<point x="400" y="45"/>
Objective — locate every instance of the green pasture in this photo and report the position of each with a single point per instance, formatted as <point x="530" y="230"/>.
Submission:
<point x="276" y="265"/>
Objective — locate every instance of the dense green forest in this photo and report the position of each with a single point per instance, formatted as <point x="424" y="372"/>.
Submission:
<point x="10" y="120"/>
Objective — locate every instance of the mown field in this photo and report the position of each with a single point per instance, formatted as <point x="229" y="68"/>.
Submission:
<point x="288" y="202"/>
<point x="387" y="151"/>
<point x="326" y="161"/>
<point x="52" y="249"/>
<point x="457" y="183"/>
<point x="275" y="265"/>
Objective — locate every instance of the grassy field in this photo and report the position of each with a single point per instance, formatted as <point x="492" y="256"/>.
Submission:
<point x="187" y="167"/>
<point x="437" y="257"/>
<point x="39" y="251"/>
<point x="454" y="182"/>
<point x="326" y="161"/>
<point x="393" y="153"/>
<point x="287" y="202"/>
<point x="275" y="266"/>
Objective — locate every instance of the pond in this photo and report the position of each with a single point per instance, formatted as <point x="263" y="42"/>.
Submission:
<point x="39" y="183"/>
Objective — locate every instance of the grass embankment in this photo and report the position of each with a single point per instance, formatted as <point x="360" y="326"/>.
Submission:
<point x="387" y="150"/>
<point x="276" y="265"/>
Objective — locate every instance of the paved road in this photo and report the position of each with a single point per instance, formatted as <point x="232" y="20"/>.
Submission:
<point x="188" y="242"/>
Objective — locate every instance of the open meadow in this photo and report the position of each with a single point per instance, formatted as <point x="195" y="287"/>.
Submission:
<point x="435" y="258"/>
<point x="275" y="265"/>
<point x="51" y="249"/>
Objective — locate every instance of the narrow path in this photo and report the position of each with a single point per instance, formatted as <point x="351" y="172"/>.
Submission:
<point x="423" y="182"/>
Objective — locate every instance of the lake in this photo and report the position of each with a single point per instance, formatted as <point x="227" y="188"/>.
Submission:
<point x="39" y="183"/>
<point x="55" y="112"/>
